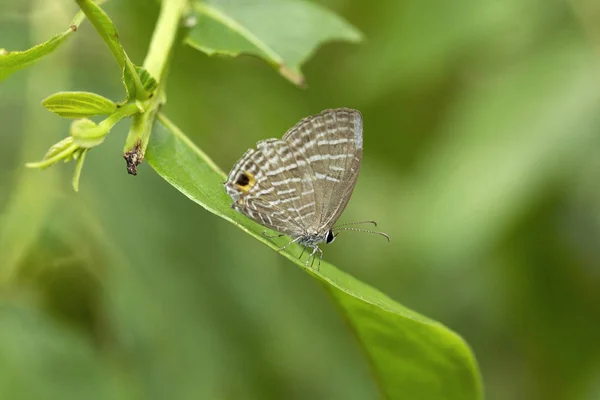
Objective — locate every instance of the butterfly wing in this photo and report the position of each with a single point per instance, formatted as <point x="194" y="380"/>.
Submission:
<point x="331" y="142"/>
<point x="274" y="187"/>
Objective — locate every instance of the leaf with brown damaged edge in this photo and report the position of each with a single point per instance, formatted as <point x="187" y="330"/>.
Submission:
<point x="294" y="30"/>
<point x="411" y="356"/>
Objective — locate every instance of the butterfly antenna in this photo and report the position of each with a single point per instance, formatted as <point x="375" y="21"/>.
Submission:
<point x="385" y="235"/>
<point x="357" y="223"/>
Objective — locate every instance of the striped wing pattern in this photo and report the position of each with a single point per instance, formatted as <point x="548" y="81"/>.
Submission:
<point x="301" y="184"/>
<point x="281" y="196"/>
<point x="332" y="144"/>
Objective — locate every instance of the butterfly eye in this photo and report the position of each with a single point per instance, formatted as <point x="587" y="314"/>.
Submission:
<point x="330" y="237"/>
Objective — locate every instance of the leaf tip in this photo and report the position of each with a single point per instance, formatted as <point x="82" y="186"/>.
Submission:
<point x="293" y="76"/>
<point x="356" y="36"/>
<point x="46" y="101"/>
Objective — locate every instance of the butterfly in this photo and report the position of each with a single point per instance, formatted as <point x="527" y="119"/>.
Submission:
<point x="299" y="185"/>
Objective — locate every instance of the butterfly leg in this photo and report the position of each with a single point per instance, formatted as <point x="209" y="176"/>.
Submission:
<point x="308" y="259"/>
<point x="320" y="258"/>
<point x="265" y="234"/>
<point x="312" y="257"/>
<point x="303" y="250"/>
<point x="290" y="242"/>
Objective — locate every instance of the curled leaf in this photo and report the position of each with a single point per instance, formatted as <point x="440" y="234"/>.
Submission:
<point x="58" y="147"/>
<point x="86" y="133"/>
<point x="62" y="150"/>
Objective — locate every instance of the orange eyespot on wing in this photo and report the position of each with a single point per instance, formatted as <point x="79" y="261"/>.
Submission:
<point x="245" y="181"/>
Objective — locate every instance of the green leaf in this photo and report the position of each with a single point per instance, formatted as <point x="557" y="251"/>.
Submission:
<point x="148" y="82"/>
<point x="12" y="61"/>
<point x="412" y="356"/>
<point x="107" y="30"/>
<point x="283" y="32"/>
<point x="78" y="104"/>
<point x="62" y="150"/>
<point x="59" y="147"/>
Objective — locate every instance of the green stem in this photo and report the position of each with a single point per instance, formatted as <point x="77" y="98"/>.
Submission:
<point x="108" y="32"/>
<point x="98" y="134"/>
<point x="126" y="111"/>
<point x="57" y="157"/>
<point x="80" y="16"/>
<point x="93" y="137"/>
<point x="78" y="169"/>
<point x="164" y="37"/>
<point x="156" y="63"/>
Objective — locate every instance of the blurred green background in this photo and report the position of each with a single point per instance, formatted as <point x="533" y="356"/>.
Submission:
<point x="481" y="161"/>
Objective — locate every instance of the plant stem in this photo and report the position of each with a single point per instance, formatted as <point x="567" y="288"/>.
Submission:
<point x="156" y="63"/>
<point x="163" y="37"/>
<point x="126" y="111"/>
<point x="108" y="32"/>
<point x="93" y="137"/>
<point x="55" y="158"/>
